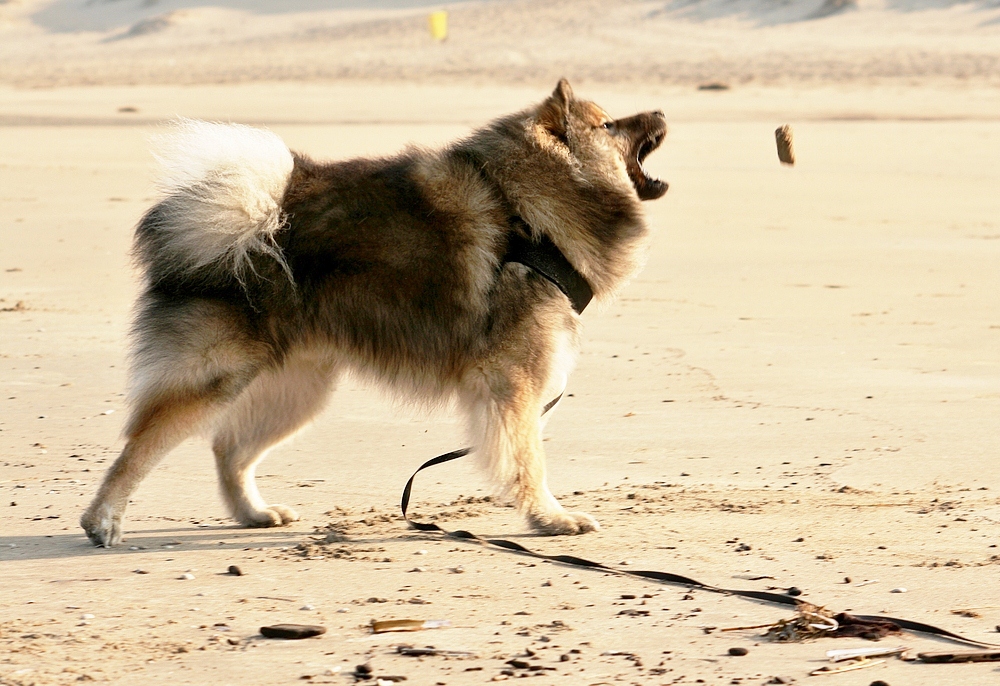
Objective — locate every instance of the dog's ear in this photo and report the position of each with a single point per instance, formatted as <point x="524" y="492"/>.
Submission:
<point x="554" y="112"/>
<point x="563" y="93"/>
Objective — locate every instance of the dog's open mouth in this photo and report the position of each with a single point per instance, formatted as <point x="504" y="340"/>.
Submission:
<point x="648" y="187"/>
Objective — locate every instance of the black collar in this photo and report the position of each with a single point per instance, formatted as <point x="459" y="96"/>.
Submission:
<point x="545" y="258"/>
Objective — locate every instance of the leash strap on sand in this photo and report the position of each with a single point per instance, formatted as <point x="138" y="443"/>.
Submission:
<point x="662" y="577"/>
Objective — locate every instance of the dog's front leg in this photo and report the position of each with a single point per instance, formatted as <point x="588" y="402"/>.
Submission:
<point x="507" y="430"/>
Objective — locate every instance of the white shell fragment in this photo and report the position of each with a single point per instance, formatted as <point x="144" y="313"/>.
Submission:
<point x="854" y="653"/>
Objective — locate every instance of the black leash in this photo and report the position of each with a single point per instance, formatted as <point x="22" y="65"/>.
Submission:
<point x="662" y="577"/>
<point x="545" y="258"/>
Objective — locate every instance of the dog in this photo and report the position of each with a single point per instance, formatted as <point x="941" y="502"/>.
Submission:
<point x="268" y="275"/>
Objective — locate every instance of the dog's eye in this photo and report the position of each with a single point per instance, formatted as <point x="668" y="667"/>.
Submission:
<point x="608" y="126"/>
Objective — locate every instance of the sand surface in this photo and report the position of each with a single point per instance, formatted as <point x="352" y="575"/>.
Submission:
<point x="803" y="384"/>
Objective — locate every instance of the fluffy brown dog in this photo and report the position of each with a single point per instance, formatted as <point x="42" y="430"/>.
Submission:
<point x="268" y="275"/>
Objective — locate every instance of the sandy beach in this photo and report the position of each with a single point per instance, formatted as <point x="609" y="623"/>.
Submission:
<point x="801" y="389"/>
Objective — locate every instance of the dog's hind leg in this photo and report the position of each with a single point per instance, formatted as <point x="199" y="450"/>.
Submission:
<point x="189" y="361"/>
<point x="274" y="406"/>
<point x="157" y="426"/>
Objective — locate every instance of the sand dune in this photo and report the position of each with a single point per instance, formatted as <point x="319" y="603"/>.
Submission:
<point x="764" y="41"/>
<point x="110" y="15"/>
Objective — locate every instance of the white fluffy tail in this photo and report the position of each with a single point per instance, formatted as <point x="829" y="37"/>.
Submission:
<point x="223" y="185"/>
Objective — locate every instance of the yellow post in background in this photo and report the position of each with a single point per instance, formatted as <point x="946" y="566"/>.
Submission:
<point x="439" y="25"/>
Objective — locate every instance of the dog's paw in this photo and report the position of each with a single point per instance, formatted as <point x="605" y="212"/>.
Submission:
<point x="273" y="515"/>
<point x="103" y="526"/>
<point x="563" y="523"/>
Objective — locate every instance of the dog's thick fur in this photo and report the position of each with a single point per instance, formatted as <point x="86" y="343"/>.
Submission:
<point x="268" y="275"/>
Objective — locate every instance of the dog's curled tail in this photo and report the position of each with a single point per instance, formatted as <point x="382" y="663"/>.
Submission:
<point x="222" y="185"/>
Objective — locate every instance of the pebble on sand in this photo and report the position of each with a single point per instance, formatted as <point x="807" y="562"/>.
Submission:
<point x="738" y="651"/>
<point x="292" y="631"/>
